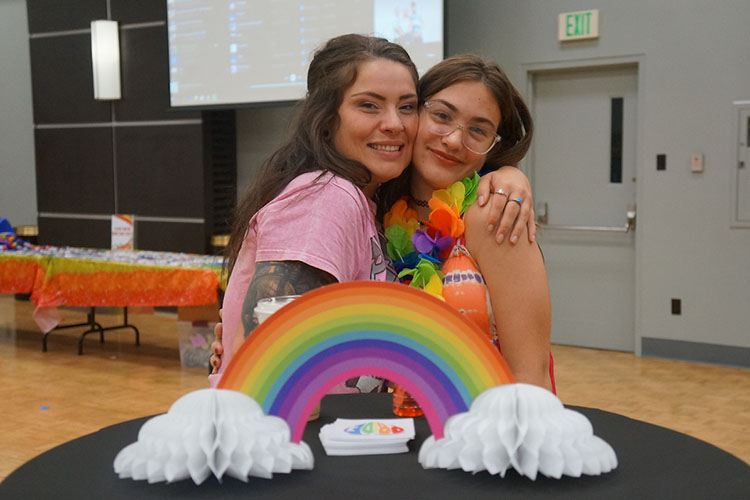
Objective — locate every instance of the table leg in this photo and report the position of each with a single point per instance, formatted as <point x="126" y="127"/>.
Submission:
<point x="94" y="326"/>
<point x="90" y="322"/>
<point x="101" y="330"/>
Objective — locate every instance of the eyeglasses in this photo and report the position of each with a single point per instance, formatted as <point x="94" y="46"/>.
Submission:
<point x="474" y="137"/>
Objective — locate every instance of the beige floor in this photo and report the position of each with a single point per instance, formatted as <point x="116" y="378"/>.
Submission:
<point x="49" y="398"/>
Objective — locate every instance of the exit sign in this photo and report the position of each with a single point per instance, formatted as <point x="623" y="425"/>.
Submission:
<point x="580" y="25"/>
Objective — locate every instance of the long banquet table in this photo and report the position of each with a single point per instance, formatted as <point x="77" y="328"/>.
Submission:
<point x="90" y="278"/>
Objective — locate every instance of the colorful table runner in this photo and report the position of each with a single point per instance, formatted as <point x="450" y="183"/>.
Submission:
<point x="57" y="276"/>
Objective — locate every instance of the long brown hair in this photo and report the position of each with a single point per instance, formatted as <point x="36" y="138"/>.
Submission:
<point x="516" y="126"/>
<point x="309" y="146"/>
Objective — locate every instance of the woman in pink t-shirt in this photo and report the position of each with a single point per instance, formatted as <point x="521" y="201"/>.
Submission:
<point x="307" y="220"/>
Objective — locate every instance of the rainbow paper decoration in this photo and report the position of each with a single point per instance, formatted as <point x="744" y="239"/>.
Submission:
<point x="365" y="328"/>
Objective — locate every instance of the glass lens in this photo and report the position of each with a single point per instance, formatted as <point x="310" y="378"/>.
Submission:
<point x="477" y="138"/>
<point x="442" y="119"/>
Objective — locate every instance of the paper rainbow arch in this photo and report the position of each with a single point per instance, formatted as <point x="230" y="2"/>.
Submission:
<point x="365" y="328"/>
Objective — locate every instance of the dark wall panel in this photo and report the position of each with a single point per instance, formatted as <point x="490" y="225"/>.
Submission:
<point x="145" y="77"/>
<point x="220" y="143"/>
<point x="170" y="236"/>
<point x="63" y="15"/>
<point x="159" y="236"/>
<point x="154" y="170"/>
<point x="75" y="232"/>
<point x="74" y="170"/>
<point x="138" y="11"/>
<point x="160" y="170"/>
<point x="62" y="81"/>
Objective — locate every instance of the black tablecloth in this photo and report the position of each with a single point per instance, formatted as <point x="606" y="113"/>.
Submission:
<point x="654" y="462"/>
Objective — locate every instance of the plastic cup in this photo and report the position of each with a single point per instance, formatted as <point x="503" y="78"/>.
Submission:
<point x="265" y="308"/>
<point x="404" y="405"/>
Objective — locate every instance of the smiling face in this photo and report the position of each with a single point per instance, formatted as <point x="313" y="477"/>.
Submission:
<point x="439" y="161"/>
<point x="378" y="120"/>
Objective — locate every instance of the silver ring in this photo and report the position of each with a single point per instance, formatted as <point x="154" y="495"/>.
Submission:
<point x="517" y="200"/>
<point x="501" y="191"/>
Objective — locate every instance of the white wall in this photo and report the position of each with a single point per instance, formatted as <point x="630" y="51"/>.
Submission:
<point x="17" y="171"/>
<point x="697" y="61"/>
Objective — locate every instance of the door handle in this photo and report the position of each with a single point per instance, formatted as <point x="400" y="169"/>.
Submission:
<point x="542" y="211"/>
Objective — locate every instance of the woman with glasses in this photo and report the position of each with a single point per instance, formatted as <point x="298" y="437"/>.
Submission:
<point x="471" y="118"/>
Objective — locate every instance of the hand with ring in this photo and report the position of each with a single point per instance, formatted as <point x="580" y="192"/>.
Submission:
<point x="511" y="205"/>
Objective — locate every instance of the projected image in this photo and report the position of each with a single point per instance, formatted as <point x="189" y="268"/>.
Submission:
<point x="252" y="51"/>
<point x="415" y="24"/>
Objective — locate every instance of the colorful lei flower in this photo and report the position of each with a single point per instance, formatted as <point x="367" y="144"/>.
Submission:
<point x="419" y="254"/>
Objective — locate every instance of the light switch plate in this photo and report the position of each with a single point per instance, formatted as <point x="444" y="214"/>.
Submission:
<point x="696" y="162"/>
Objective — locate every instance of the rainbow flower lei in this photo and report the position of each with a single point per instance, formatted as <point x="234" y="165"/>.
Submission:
<point x="419" y="254"/>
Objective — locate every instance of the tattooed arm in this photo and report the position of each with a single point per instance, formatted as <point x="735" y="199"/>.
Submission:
<point x="275" y="278"/>
<point x="272" y="279"/>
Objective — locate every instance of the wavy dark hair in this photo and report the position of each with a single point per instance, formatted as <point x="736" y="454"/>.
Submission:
<point x="516" y="126"/>
<point x="309" y="145"/>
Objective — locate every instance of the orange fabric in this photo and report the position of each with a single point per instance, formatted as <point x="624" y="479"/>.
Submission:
<point x="464" y="289"/>
<point x="18" y="276"/>
<point x="158" y="287"/>
<point x="56" y="281"/>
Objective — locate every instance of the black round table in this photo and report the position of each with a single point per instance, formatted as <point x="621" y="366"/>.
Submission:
<point x="654" y="462"/>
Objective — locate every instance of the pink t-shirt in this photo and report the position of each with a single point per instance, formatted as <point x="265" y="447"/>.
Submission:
<point x="326" y="222"/>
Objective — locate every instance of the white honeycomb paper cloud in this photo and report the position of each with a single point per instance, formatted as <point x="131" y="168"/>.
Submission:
<point x="520" y="426"/>
<point x="212" y="431"/>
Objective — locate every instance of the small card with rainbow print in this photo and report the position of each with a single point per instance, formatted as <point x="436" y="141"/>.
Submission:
<point x="367" y="436"/>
